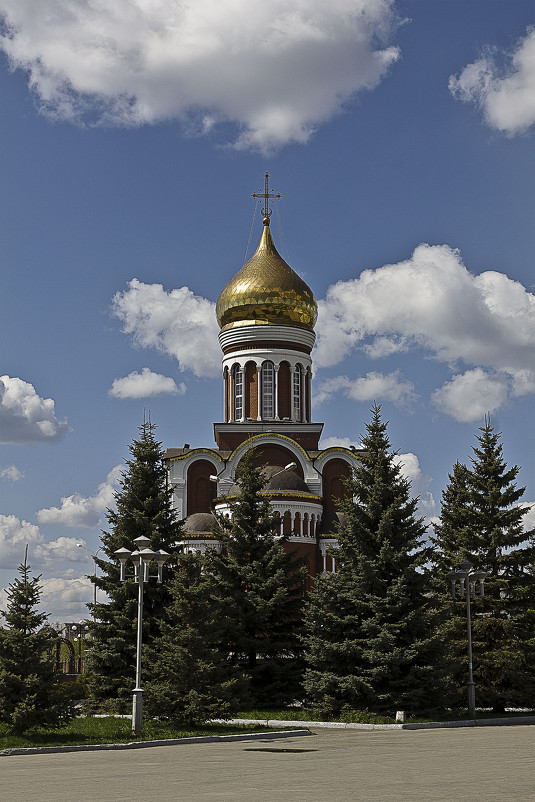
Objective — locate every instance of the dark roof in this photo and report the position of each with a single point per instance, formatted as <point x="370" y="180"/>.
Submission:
<point x="199" y="522"/>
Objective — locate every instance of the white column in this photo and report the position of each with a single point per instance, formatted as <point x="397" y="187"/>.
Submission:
<point x="276" y="391"/>
<point x="259" y="394"/>
<point x="243" y="394"/>
<point x="324" y="556"/>
<point x="292" y="372"/>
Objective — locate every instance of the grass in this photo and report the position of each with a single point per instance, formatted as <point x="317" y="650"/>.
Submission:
<point x="112" y="730"/>
<point x="307" y="714"/>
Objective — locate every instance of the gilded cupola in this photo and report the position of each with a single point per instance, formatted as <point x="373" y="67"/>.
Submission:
<point x="266" y="290"/>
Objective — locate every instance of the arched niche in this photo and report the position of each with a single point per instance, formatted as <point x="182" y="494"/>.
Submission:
<point x="201" y="491"/>
<point x="275" y="454"/>
<point x="335" y="474"/>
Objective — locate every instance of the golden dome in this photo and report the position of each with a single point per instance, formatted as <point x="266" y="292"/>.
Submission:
<point x="266" y="290"/>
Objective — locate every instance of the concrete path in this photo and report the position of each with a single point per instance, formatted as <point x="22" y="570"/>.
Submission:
<point x="488" y="764"/>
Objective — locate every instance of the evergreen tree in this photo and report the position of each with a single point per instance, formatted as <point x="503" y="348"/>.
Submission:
<point x="30" y="695"/>
<point x="143" y="508"/>
<point x="370" y="641"/>
<point x="259" y="592"/>
<point x="482" y="522"/>
<point x="191" y="678"/>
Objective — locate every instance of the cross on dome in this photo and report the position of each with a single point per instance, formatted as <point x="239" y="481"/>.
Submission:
<point x="266" y="194"/>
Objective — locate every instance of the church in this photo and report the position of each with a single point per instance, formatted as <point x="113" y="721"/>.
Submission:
<point x="266" y="314"/>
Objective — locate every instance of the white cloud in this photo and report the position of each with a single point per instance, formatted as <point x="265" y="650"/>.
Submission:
<point x="374" y="385"/>
<point x="11" y="473"/>
<point x="61" y="550"/>
<point x="276" y="70"/>
<point x="432" y="302"/>
<point x="528" y="521"/>
<point x="25" y="417"/>
<point x="506" y="96"/>
<point x="82" y="512"/>
<point x="469" y="396"/>
<point x="178" y="323"/>
<point x="66" y="599"/>
<point x="344" y="442"/>
<point x="15" y="535"/>
<point x="410" y="469"/>
<point x="145" y="385"/>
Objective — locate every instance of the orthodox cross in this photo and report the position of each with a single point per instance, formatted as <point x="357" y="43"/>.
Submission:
<point x="266" y="194"/>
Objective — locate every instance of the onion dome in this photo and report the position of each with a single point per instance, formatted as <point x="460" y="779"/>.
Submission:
<point x="199" y="523"/>
<point x="266" y="291"/>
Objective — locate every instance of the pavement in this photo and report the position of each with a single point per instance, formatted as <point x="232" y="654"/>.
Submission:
<point x="334" y="765"/>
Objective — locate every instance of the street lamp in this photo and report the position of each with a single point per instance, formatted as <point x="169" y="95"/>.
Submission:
<point x="141" y="559"/>
<point x="94" y="556"/>
<point x="467" y="578"/>
<point x="81" y="630"/>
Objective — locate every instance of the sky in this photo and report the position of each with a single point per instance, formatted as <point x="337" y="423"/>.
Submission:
<point x="401" y="136"/>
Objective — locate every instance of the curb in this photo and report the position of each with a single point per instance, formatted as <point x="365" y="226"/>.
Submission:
<point x="424" y="725"/>
<point x="201" y="739"/>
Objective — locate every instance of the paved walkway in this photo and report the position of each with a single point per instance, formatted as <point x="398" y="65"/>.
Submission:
<point x="488" y="764"/>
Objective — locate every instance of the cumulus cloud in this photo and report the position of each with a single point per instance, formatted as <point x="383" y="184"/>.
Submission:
<point x="15" y="535"/>
<point x="411" y="470"/>
<point x="506" y="94"/>
<point x="11" y="473"/>
<point x="528" y="521"/>
<point x="433" y="303"/>
<point x="275" y="70"/>
<point x="145" y="385"/>
<point x="65" y="599"/>
<point x="80" y="511"/>
<point x="177" y="323"/>
<point x="374" y="385"/>
<point x="25" y="417"/>
<point x="470" y="395"/>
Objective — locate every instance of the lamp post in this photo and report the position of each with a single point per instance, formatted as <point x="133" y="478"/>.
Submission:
<point x="94" y="556"/>
<point x="467" y="578"/>
<point x="141" y="559"/>
<point x="80" y="631"/>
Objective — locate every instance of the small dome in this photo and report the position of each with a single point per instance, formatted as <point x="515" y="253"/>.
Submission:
<point x="284" y="480"/>
<point x="200" y="523"/>
<point x="277" y="479"/>
<point x="267" y="290"/>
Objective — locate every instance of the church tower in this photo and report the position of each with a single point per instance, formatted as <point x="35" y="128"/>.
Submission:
<point x="266" y="314"/>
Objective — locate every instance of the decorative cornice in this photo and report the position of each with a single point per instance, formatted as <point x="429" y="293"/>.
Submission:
<point x="263" y="435"/>
<point x="266" y="334"/>
<point x="193" y="452"/>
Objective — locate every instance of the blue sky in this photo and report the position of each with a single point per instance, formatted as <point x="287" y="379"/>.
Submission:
<point x="401" y="136"/>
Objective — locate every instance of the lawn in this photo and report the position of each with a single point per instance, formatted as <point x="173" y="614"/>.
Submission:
<point x="91" y="730"/>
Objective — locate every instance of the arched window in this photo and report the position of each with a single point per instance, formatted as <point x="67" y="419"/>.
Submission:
<point x="297" y="392"/>
<point x="267" y="390"/>
<point x="238" y="393"/>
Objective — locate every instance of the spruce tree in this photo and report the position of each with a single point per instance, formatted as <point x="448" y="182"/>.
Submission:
<point x="143" y="508"/>
<point x="30" y="695"/>
<point x="369" y="638"/>
<point x="191" y="679"/>
<point x="481" y="522"/>
<point x="259" y="592"/>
